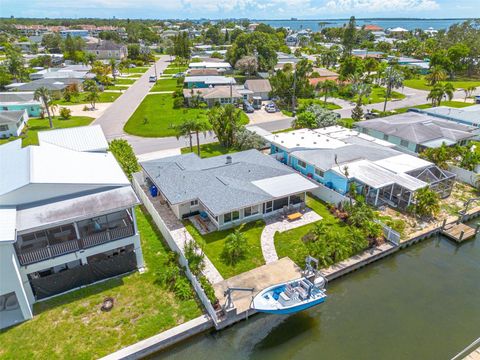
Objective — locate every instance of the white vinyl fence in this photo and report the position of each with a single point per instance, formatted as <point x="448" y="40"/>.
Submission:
<point x="328" y="195"/>
<point x="137" y="179"/>
<point x="466" y="176"/>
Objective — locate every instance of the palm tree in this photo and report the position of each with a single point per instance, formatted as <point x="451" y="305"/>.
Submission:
<point x="186" y="128"/>
<point x="439" y="92"/>
<point x="436" y="75"/>
<point x="43" y="94"/>
<point x="92" y="97"/>
<point x="113" y="68"/>
<point x="469" y="91"/>
<point x="327" y="87"/>
<point x="89" y="59"/>
<point x="362" y="90"/>
<point x="392" y="79"/>
<point x="199" y="127"/>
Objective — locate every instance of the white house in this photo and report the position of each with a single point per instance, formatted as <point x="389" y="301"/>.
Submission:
<point x="66" y="220"/>
<point x="12" y="122"/>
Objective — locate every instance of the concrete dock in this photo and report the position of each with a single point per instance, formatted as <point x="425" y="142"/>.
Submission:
<point x="260" y="278"/>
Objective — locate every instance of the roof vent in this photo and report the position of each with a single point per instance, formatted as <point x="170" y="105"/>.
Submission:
<point x="229" y="160"/>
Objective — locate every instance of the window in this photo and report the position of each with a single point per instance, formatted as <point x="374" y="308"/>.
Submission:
<point x="385" y="137"/>
<point x="404" y="143"/>
<point x="280" y="203"/>
<point x="319" y="172"/>
<point x="3" y="127"/>
<point x="297" y="198"/>
<point x="251" y="210"/>
<point x="194" y="203"/>
<point x="301" y="163"/>
<point x="227" y="217"/>
<point x="235" y="215"/>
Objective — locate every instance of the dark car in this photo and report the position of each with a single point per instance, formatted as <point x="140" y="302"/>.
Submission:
<point x="247" y="107"/>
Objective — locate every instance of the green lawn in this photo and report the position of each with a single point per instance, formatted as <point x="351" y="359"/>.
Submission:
<point x="161" y="117"/>
<point x="346" y="122"/>
<point x="105" y="97"/>
<point x="213" y="243"/>
<point x="71" y="326"/>
<point x="124" y="81"/>
<point x="208" y="150"/>
<point x="174" y="69"/>
<point x="136" y="70"/>
<point x="421" y="83"/>
<point x="378" y="95"/>
<point x="30" y="133"/>
<point x="156" y="117"/>
<point x="114" y="87"/>
<point x="166" y="85"/>
<point x="289" y="243"/>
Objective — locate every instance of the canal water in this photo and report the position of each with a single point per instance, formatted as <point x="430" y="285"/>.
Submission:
<point x="421" y="303"/>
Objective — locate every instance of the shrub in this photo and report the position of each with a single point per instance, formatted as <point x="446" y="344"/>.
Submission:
<point x="178" y="102"/>
<point x="125" y="156"/>
<point x="235" y="248"/>
<point x="65" y="113"/>
<point x="183" y="289"/>
<point x="208" y="288"/>
<point x="195" y="258"/>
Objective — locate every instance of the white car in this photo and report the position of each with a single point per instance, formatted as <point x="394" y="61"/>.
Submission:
<point x="152" y="79"/>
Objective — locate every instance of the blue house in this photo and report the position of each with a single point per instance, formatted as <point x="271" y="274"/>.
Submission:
<point x="14" y="101"/>
<point x="199" y="82"/>
<point x="337" y="157"/>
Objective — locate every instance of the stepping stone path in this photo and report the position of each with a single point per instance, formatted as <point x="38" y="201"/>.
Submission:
<point x="274" y="224"/>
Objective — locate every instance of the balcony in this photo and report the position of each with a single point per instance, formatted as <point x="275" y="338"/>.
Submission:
<point x="48" y="244"/>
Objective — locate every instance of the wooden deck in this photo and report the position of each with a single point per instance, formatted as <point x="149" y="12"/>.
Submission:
<point x="475" y="355"/>
<point x="459" y="232"/>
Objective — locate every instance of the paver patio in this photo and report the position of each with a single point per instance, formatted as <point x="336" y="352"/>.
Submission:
<point x="276" y="223"/>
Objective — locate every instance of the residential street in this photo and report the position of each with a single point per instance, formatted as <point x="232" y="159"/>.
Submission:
<point x="113" y="120"/>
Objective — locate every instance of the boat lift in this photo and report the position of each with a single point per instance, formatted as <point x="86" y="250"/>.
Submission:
<point x="228" y="294"/>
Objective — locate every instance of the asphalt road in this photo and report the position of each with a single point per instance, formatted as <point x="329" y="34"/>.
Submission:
<point x="115" y="117"/>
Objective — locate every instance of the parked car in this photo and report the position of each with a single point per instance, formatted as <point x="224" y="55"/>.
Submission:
<point x="178" y="75"/>
<point x="271" y="108"/>
<point x="248" y="108"/>
<point x="152" y="79"/>
<point x="370" y="115"/>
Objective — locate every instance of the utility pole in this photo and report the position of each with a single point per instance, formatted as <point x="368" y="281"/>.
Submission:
<point x="155" y="65"/>
<point x="294" y="113"/>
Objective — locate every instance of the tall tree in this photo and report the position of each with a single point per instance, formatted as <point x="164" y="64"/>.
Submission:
<point x="225" y="122"/>
<point x="349" y="37"/>
<point x="113" y="68"/>
<point x="327" y="87"/>
<point x="392" y="79"/>
<point x="43" y="94"/>
<point x="439" y="92"/>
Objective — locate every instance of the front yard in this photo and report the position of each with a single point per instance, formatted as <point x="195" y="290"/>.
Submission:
<point x="156" y="117"/>
<point x="34" y="125"/>
<point x="166" y="85"/>
<point x="213" y="243"/>
<point x="135" y="70"/>
<point x="208" y="150"/>
<point x="105" y="97"/>
<point x="71" y="326"/>
<point x="421" y="83"/>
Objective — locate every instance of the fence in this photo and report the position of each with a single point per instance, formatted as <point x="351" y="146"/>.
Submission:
<point x="390" y="234"/>
<point x="328" y="195"/>
<point x="137" y="180"/>
<point x="466" y="176"/>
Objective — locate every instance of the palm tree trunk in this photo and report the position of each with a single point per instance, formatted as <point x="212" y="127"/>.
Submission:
<point x="48" y="113"/>
<point x="387" y="94"/>
<point x="325" y="99"/>
<point x="198" y="143"/>
<point x="190" y="138"/>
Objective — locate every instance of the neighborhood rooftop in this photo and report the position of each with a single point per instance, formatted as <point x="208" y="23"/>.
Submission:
<point x="469" y="115"/>
<point x="224" y="183"/>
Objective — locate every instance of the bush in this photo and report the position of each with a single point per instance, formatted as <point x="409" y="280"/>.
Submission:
<point x="195" y="258"/>
<point x="65" y="113"/>
<point x="125" y="156"/>
<point x="208" y="288"/>
<point x="182" y="289"/>
<point x="235" y="248"/>
<point x="178" y="102"/>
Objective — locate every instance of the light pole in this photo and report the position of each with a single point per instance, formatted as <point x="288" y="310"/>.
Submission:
<point x="293" y="92"/>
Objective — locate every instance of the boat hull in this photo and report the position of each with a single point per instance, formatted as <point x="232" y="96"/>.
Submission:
<point x="291" y="310"/>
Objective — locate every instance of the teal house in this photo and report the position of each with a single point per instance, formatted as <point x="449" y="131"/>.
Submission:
<point x="337" y="157"/>
<point x="15" y="101"/>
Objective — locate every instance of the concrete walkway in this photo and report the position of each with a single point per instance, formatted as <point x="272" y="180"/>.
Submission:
<point x="275" y="224"/>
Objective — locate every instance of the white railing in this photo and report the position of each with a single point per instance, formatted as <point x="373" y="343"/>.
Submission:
<point x="173" y="245"/>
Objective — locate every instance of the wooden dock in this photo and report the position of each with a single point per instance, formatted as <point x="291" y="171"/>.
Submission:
<point x="459" y="232"/>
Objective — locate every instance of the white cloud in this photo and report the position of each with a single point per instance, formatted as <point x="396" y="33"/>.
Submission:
<point x="380" y="5"/>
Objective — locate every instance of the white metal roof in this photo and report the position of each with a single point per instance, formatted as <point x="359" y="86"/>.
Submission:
<point x="209" y="65"/>
<point x="83" y="138"/>
<point x="284" y="185"/>
<point x="304" y="139"/>
<point x="8" y="218"/>
<point x="50" y="164"/>
<point x="403" y="163"/>
<point x="210" y="80"/>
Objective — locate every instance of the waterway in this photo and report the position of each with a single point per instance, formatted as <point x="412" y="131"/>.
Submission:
<point x="409" y="24"/>
<point x="421" y="303"/>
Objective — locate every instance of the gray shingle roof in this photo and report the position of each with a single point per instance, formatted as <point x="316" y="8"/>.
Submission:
<point x="9" y="117"/>
<point x="105" y="45"/>
<point x="221" y="187"/>
<point x="418" y="128"/>
<point x="258" y="85"/>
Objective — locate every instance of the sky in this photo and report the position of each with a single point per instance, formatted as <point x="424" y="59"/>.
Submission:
<point x="254" y="9"/>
